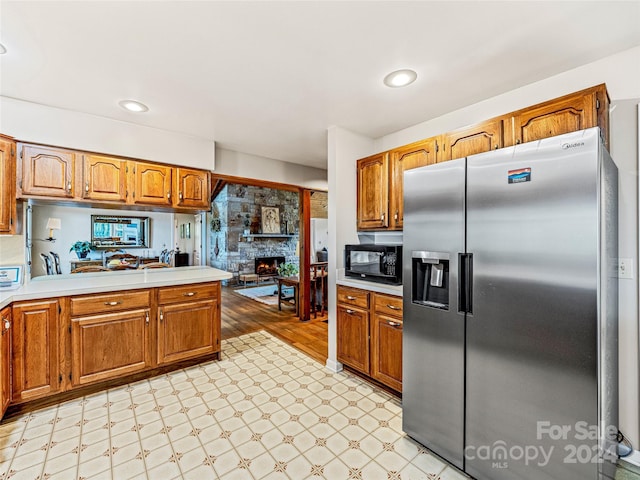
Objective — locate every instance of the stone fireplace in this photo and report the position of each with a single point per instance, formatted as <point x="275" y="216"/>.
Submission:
<point x="268" y="266"/>
<point x="234" y="237"/>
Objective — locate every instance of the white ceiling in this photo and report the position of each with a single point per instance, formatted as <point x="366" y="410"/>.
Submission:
<point x="268" y="78"/>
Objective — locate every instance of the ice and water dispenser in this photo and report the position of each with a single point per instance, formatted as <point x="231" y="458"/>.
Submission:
<point x="430" y="279"/>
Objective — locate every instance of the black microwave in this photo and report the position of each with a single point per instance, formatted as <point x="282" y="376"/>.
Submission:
<point x="376" y="263"/>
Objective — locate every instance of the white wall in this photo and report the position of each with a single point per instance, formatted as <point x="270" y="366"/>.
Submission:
<point x="229" y="162"/>
<point x="76" y="225"/>
<point x="621" y="73"/>
<point x="36" y="123"/>
<point x="344" y="148"/>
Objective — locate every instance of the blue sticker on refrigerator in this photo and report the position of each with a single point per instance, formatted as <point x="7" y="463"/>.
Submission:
<point x="519" y="176"/>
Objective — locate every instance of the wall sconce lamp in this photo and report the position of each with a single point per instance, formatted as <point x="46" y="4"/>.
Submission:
<point x="53" y="224"/>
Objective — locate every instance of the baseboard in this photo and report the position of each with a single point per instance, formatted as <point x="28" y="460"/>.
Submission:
<point x="334" y="365"/>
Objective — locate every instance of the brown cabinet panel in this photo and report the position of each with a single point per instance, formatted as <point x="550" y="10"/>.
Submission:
<point x="104" y="178"/>
<point x="192" y="188"/>
<point x="36" y="349"/>
<point x="5" y="359"/>
<point x="353" y="297"/>
<point x="47" y="171"/>
<point x="386" y="350"/>
<point x="565" y="115"/>
<point x="8" y="218"/>
<point x="388" y="305"/>
<point x="471" y="140"/>
<point x="110" y="345"/>
<point x="373" y="192"/>
<point x="416" y="155"/>
<point x="353" y="337"/>
<point x="187" y="292"/>
<point x="151" y="183"/>
<point x="109" y="302"/>
<point x="187" y="330"/>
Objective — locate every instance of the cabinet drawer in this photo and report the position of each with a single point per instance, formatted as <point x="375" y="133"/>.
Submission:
<point x="353" y="296"/>
<point x="187" y="292"/>
<point x="109" y="302"/>
<point x="388" y="305"/>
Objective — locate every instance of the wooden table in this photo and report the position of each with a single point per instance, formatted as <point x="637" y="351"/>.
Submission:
<point x="289" y="282"/>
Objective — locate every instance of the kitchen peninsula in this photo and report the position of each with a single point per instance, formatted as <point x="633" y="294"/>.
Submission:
<point x="71" y="335"/>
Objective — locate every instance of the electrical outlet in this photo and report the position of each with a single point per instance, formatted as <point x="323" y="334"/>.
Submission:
<point x="625" y="268"/>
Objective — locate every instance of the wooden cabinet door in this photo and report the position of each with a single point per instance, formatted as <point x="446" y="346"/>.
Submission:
<point x="151" y="184"/>
<point x="5" y="359"/>
<point x="47" y="171"/>
<point x="7" y="186"/>
<point x="353" y="337"/>
<point x="104" y="178"/>
<point x="187" y="330"/>
<point x="471" y="140"/>
<point x="36" y="350"/>
<point x="386" y="351"/>
<point x="109" y="345"/>
<point x="373" y="192"/>
<point x="416" y="155"/>
<point x="567" y="114"/>
<point x="192" y="188"/>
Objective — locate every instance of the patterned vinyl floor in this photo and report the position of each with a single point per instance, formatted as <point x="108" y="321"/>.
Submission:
<point x="265" y="411"/>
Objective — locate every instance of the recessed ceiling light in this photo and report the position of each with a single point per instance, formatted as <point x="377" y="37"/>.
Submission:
<point x="400" y="78"/>
<point x="3" y="49"/>
<point x="133" y="106"/>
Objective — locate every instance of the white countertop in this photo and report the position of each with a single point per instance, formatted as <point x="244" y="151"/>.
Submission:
<point x="80" y="283"/>
<point x="365" y="285"/>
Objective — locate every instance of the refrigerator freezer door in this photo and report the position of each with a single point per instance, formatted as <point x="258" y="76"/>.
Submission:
<point x="433" y="332"/>
<point x="532" y="227"/>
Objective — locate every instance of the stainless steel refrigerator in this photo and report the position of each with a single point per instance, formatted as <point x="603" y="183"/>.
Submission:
<point x="510" y="310"/>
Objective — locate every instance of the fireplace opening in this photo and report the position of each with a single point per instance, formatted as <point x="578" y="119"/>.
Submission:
<point x="268" y="266"/>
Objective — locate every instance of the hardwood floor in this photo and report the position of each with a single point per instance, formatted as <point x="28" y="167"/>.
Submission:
<point x="242" y="315"/>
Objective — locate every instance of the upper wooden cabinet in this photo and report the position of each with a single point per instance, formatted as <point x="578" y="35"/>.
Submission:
<point x="55" y="173"/>
<point x="104" y="178"/>
<point x="151" y="184"/>
<point x="411" y="156"/>
<point x="577" y="111"/>
<point x="380" y="177"/>
<point x="46" y="171"/>
<point x="373" y="192"/>
<point x="8" y="218"/>
<point x="191" y="188"/>
<point x="471" y="140"/>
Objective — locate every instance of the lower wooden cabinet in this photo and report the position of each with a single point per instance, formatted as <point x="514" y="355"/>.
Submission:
<point x="369" y="333"/>
<point x="59" y="345"/>
<point x="109" y="346"/>
<point x="36" y="349"/>
<point x="353" y="337"/>
<point x="5" y="359"/>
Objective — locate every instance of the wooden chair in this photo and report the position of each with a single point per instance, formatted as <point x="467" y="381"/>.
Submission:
<point x="120" y="261"/>
<point x="89" y="269"/>
<point x="319" y="288"/>
<point x="154" y="265"/>
<point x="48" y="265"/>
<point x="56" y="262"/>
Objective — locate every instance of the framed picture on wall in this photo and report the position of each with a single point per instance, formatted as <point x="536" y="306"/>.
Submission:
<point x="270" y="220"/>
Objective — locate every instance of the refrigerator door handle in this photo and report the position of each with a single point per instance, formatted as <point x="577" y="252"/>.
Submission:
<point x="465" y="279"/>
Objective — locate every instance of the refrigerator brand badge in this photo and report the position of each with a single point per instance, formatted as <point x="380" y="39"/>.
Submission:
<point x="520" y="175"/>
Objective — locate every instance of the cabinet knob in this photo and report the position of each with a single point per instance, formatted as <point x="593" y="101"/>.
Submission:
<point x="86" y="187"/>
<point x="161" y="315"/>
<point x="112" y="304"/>
<point x="350" y="312"/>
<point x="496" y="147"/>
<point x="382" y="217"/>
<point x="180" y="195"/>
<point x="392" y="307"/>
<point x="518" y="140"/>
<point x="7" y="324"/>
<point x="349" y="297"/>
<point x="189" y="294"/>
<point x="146" y="318"/>
<point x="395" y="217"/>
<point x="168" y="195"/>
<point x="69" y="186"/>
<point x="393" y="324"/>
